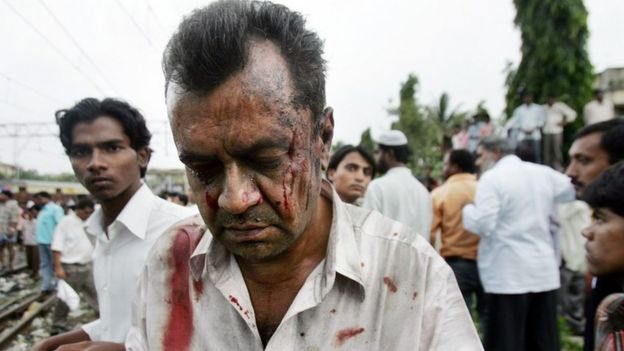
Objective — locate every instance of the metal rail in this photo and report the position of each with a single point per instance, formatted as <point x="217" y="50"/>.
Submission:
<point x="8" y="334"/>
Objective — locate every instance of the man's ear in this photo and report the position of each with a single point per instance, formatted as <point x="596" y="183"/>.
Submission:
<point x="143" y="156"/>
<point x="330" y="174"/>
<point x="326" y="134"/>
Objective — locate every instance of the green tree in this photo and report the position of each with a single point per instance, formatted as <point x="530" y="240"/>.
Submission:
<point x="422" y="133"/>
<point x="446" y="119"/>
<point x="554" y="53"/>
<point x="367" y="141"/>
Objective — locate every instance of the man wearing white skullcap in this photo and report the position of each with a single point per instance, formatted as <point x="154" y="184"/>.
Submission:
<point x="398" y="194"/>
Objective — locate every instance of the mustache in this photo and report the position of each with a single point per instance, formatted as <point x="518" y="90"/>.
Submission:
<point x="253" y="215"/>
<point x="576" y="182"/>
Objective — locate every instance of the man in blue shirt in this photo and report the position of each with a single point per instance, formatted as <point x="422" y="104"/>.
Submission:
<point x="48" y="218"/>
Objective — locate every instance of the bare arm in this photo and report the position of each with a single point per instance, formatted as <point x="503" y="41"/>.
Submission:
<point x="59" y="272"/>
<point x="54" y="342"/>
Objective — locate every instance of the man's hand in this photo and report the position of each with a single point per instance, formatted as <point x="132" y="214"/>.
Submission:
<point x="93" y="346"/>
<point x="59" y="272"/>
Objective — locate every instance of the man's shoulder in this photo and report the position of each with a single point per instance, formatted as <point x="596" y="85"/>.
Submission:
<point x="193" y="227"/>
<point x="170" y="210"/>
<point x="373" y="229"/>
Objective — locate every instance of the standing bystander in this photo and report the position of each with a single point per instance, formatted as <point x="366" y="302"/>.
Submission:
<point x="72" y="251"/>
<point x="398" y="194"/>
<point x="517" y="262"/>
<point x="108" y="146"/>
<point x="459" y="246"/>
<point x="595" y="148"/>
<point x="558" y="114"/>
<point x="9" y="218"/>
<point x="526" y="123"/>
<point x="598" y="110"/>
<point x="47" y="220"/>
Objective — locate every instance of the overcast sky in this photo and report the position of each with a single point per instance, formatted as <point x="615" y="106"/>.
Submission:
<point x="55" y="53"/>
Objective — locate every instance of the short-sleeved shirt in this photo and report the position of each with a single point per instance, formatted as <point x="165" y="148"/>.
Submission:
<point x="70" y="239"/>
<point x="9" y="216"/>
<point x="380" y="287"/>
<point x="47" y="220"/>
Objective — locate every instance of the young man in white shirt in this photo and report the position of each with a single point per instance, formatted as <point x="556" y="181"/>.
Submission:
<point x="598" y="110"/>
<point x="108" y="145"/>
<point x="72" y="249"/>
<point x="558" y="114"/>
<point x="281" y="262"/>
<point x="517" y="263"/>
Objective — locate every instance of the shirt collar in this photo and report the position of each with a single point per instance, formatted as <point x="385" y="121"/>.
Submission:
<point x="342" y="256"/>
<point x="460" y="177"/>
<point x="134" y="216"/>
<point x="399" y="169"/>
<point x="508" y="159"/>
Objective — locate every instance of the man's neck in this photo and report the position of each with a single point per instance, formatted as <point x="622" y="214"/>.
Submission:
<point x="111" y="208"/>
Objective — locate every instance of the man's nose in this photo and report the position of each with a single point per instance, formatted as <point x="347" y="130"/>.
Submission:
<point x="571" y="171"/>
<point x="239" y="191"/>
<point x="97" y="161"/>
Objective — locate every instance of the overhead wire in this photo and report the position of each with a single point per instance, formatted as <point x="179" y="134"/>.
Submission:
<point x="156" y="18"/>
<point x="58" y="51"/>
<point x="78" y="46"/>
<point x="136" y="25"/>
<point x="27" y="87"/>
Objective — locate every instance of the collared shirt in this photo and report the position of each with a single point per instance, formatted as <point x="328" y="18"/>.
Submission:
<point x="511" y="215"/>
<point x="377" y="289"/>
<point x="70" y="239"/>
<point x="573" y="218"/>
<point x="527" y="121"/>
<point x="9" y="217"/>
<point x="119" y="258"/>
<point x="47" y="220"/>
<point x="556" y="114"/>
<point x="595" y="111"/>
<point x="400" y="196"/>
<point x="448" y="201"/>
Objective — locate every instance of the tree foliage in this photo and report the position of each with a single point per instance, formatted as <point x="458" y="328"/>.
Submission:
<point x="554" y="53"/>
<point x="422" y="133"/>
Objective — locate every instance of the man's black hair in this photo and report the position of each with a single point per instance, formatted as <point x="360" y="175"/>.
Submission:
<point x="608" y="190"/>
<point x="84" y="202"/>
<point x="89" y="109"/>
<point x="463" y="159"/>
<point x="8" y="193"/>
<point x="213" y="43"/>
<point x="44" y="194"/>
<point x="341" y="153"/>
<point x="401" y="153"/>
<point x="612" y="140"/>
<point x="182" y="197"/>
<point x="525" y="150"/>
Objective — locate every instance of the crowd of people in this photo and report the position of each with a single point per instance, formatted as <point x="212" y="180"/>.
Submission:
<point x="289" y="248"/>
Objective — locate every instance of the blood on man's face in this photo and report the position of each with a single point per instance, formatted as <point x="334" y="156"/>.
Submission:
<point x="252" y="161"/>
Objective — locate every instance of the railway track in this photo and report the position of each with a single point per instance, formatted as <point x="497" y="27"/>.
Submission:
<point x="18" y="313"/>
<point x="16" y="270"/>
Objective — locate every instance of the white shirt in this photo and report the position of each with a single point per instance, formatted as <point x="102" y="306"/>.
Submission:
<point x="527" y="118"/>
<point x="400" y="196"/>
<point x="511" y="215"/>
<point x="595" y="111"/>
<point x="118" y="260"/>
<point x="555" y="114"/>
<point x="71" y="240"/>
<point x="377" y="289"/>
<point x="574" y="217"/>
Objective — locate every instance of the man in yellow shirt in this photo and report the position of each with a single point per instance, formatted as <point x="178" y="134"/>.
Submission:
<point x="459" y="246"/>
